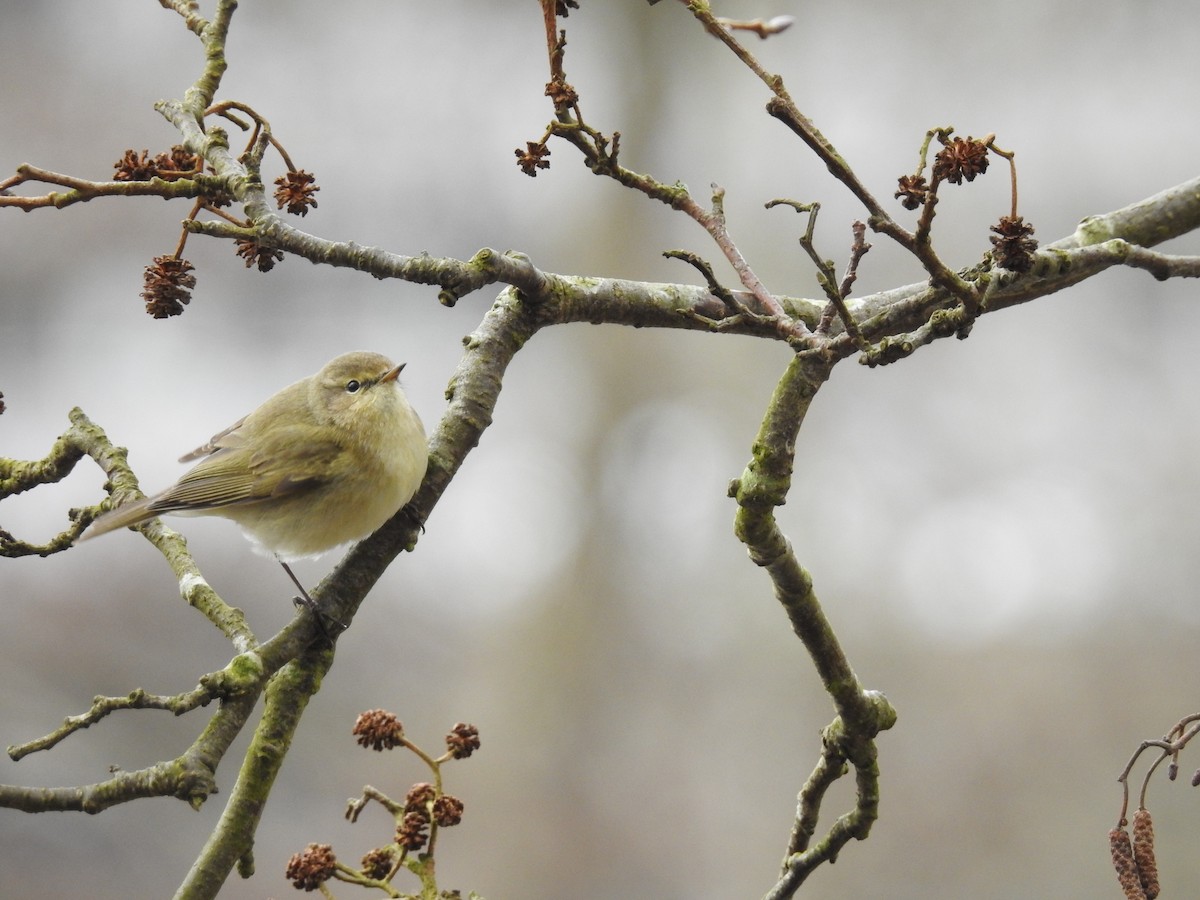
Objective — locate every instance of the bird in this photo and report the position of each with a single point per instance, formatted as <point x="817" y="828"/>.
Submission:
<point x="323" y="462"/>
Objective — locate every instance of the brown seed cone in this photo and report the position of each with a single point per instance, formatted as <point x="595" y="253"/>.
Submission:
<point x="463" y="740"/>
<point x="411" y="834"/>
<point x="295" y="191"/>
<point x="960" y="159"/>
<point x="378" y="863"/>
<point x="167" y="286"/>
<point x="306" y="871"/>
<point x="447" y="810"/>
<point x="378" y="729"/>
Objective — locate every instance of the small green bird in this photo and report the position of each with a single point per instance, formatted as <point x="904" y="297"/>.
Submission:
<point x="323" y="462"/>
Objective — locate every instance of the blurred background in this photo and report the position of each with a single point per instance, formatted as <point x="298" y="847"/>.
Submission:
<point x="1003" y="531"/>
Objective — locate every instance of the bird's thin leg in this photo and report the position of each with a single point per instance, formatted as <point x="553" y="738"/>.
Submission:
<point x="311" y="604"/>
<point x="303" y="599"/>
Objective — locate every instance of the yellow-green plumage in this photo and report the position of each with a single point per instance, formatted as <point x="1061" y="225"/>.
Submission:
<point x="325" y="461"/>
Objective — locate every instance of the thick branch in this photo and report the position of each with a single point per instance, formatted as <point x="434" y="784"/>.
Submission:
<point x="861" y="714"/>
<point x="182" y="778"/>
<point x="1057" y="266"/>
<point x="213" y="34"/>
<point x="1149" y="222"/>
<point x="287" y="697"/>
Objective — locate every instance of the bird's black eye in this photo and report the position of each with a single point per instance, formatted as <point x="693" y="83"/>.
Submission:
<point x="353" y="385"/>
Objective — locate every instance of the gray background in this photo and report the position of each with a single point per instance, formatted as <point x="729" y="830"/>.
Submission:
<point x="1002" y="530"/>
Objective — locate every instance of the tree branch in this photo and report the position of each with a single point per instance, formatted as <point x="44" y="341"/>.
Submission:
<point x="232" y="840"/>
<point x="862" y="714"/>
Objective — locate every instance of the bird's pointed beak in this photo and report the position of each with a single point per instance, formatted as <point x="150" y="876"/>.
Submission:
<point x="392" y="374"/>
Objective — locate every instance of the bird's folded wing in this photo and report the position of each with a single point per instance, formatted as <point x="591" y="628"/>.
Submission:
<point x="289" y="461"/>
<point x="227" y="438"/>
